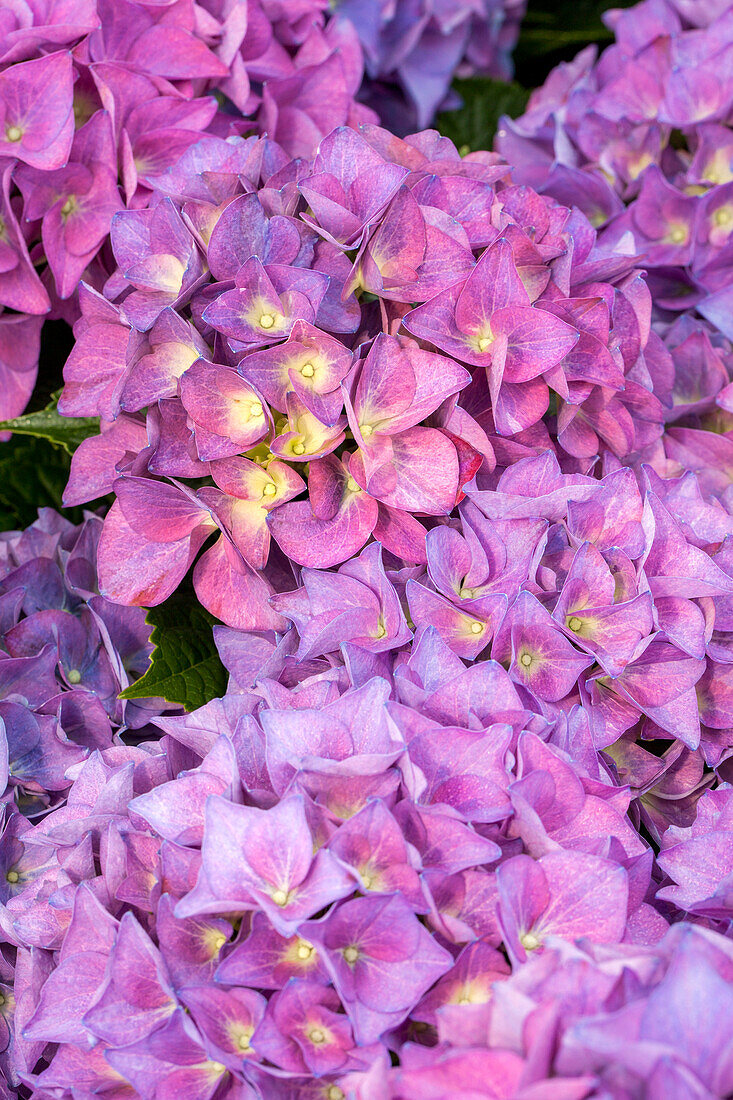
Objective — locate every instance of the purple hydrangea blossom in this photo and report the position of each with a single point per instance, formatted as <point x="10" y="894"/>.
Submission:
<point x="382" y="414"/>
<point x="304" y="899"/>
<point x="65" y="655"/>
<point x="439" y="460"/>
<point x="383" y="864"/>
<point x="99" y="99"/>
<point x="419" y="46"/>
<point x="640" y="140"/>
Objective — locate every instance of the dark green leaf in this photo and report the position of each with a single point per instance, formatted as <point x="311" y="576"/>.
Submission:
<point x="33" y="475"/>
<point x="556" y="30"/>
<point x="65" y="431"/>
<point x="484" y="102"/>
<point x="185" y="667"/>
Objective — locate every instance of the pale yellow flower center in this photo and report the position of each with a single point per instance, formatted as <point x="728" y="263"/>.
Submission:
<point x="217" y="941"/>
<point x="242" y="1040"/>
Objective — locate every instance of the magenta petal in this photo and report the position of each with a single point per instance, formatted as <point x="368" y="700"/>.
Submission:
<point x="467" y="634"/>
<point x="19" y="349"/>
<point x="134" y="570"/>
<point x="233" y="591"/>
<point x="37" y="96"/>
<point x="414" y="471"/>
<point x="95" y="461"/>
<point x="160" y="511"/>
<point x="342" y="527"/>
<point x="493" y="284"/>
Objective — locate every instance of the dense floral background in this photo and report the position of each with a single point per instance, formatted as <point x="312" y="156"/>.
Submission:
<point x="366" y="583"/>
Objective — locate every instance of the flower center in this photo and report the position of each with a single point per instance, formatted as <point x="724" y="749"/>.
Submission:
<point x="525" y="660"/>
<point x="269" y="490"/>
<point x="218" y="939"/>
<point x="304" y="950"/>
<point x="13" y="133"/>
<point x="69" y="206"/>
<point x="242" y="1040"/>
<point x="280" y="897"/>
<point x="678" y="234"/>
<point x="351" y="954"/>
<point x="366" y="430"/>
<point x="723" y="216"/>
<point x="267" y="320"/>
<point x="298" y="449"/>
<point x="255" y="409"/>
<point x="353" y="486"/>
<point x="574" y="623"/>
<point x="368" y="877"/>
<point x="335" y="1093"/>
<point x="73" y="676"/>
<point x="529" y="941"/>
<point x="317" y="1035"/>
<point x="467" y="593"/>
<point x="485" y="342"/>
<point x="307" y="370"/>
<point x="476" y="627"/>
<point x="12" y="876"/>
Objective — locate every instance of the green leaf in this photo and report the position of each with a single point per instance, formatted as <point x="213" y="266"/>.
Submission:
<point x="185" y="667"/>
<point x="65" y="431"/>
<point x="33" y="475"/>
<point x="484" y="102"/>
<point x="556" y="30"/>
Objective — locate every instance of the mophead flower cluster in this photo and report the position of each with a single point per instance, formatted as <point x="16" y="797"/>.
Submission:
<point x="373" y="880"/>
<point x="413" y="48"/>
<point x="98" y="97"/>
<point x="472" y="766"/>
<point x="66" y="653"/>
<point x="447" y="456"/>
<point x="334" y="349"/>
<point x="640" y="140"/>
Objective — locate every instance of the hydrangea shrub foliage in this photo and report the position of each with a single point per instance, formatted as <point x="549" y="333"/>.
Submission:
<point x="439" y="443"/>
